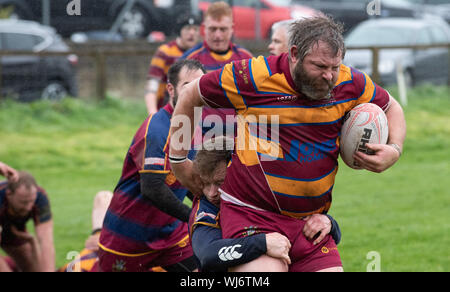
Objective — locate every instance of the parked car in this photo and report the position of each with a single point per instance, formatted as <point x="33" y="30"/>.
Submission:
<point x="30" y="77"/>
<point x="144" y="16"/>
<point x="353" y="12"/>
<point x="438" y="7"/>
<point x="271" y="11"/>
<point x="419" y="65"/>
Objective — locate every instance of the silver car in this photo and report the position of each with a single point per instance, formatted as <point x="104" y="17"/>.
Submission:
<point x="418" y="65"/>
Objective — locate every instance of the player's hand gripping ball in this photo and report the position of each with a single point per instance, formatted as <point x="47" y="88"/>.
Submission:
<point x="364" y="124"/>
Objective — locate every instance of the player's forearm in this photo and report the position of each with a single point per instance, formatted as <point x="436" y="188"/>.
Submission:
<point x="154" y="189"/>
<point x="397" y="124"/>
<point x="183" y="120"/>
<point x="217" y="254"/>
<point x="47" y="257"/>
<point x="44" y="248"/>
<point x="151" y="101"/>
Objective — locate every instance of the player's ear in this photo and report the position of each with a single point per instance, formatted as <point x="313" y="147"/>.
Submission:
<point x="170" y="90"/>
<point x="293" y="53"/>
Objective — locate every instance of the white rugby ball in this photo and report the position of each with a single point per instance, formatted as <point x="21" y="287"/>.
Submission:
<point x="365" y="123"/>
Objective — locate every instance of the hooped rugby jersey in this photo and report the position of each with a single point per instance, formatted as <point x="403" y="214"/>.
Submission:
<point x="214" y="61"/>
<point x="163" y="59"/>
<point x="132" y="224"/>
<point x="287" y="147"/>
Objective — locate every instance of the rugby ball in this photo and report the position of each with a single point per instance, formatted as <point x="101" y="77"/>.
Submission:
<point x="365" y="123"/>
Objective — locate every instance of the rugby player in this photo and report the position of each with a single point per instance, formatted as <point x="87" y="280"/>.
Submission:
<point x="213" y="252"/>
<point x="277" y="180"/>
<point x="146" y="223"/>
<point x="20" y="201"/>
<point x="217" y="49"/>
<point x="188" y="29"/>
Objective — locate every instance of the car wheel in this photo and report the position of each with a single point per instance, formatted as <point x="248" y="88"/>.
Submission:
<point x="54" y="91"/>
<point x="135" y="23"/>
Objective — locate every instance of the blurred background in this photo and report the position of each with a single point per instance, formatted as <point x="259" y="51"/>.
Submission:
<point x="90" y="48"/>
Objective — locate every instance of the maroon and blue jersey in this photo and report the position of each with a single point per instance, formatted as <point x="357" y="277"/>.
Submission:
<point x="40" y="213"/>
<point x="132" y="224"/>
<point x="287" y="146"/>
<point x="214" y="61"/>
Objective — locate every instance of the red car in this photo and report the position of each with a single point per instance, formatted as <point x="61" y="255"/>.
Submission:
<point x="271" y="11"/>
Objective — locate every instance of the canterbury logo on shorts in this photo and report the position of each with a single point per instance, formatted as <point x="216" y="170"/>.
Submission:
<point x="229" y="253"/>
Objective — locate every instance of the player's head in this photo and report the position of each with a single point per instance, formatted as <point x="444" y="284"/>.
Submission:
<point x="211" y="164"/>
<point x="218" y="25"/>
<point x="316" y="50"/>
<point x="181" y="73"/>
<point x="280" y="37"/>
<point x="22" y="194"/>
<point x="188" y="29"/>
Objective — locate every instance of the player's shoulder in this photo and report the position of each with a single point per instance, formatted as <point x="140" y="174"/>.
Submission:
<point x="158" y="125"/>
<point x="243" y="51"/>
<point x="352" y="79"/>
<point x="194" y="51"/>
<point x="206" y="212"/>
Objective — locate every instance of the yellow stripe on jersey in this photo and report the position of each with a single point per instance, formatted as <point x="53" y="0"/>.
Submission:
<point x="369" y="90"/>
<point x="264" y="82"/>
<point x="302" y="188"/>
<point x="345" y="75"/>
<point x="299" y="215"/>
<point x="171" y="51"/>
<point x="227" y="83"/>
<point x="158" y="62"/>
<point x="302" y="115"/>
<point x="248" y="146"/>
<point x="222" y="58"/>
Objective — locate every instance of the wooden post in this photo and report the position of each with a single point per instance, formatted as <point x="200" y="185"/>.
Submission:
<point x="101" y="74"/>
<point x="448" y="72"/>
<point x="1" y="76"/>
<point x="375" y="62"/>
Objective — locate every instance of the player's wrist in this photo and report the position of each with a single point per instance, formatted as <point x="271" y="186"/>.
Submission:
<point x="177" y="159"/>
<point x="397" y="148"/>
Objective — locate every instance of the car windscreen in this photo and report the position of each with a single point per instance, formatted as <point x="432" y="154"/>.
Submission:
<point x="380" y="36"/>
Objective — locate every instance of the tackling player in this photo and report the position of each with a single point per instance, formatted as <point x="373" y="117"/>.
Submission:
<point x="146" y="223"/>
<point x="213" y="252"/>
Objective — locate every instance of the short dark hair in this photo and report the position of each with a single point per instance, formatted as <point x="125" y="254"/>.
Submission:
<point x="308" y="32"/>
<point x="25" y="179"/>
<point x="214" y="151"/>
<point x="187" y="20"/>
<point x="174" y="71"/>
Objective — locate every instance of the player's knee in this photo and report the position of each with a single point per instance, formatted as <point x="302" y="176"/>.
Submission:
<point x="333" y="269"/>
<point x="264" y="263"/>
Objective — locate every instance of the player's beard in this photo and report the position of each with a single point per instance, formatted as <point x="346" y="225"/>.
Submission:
<point x="313" y="89"/>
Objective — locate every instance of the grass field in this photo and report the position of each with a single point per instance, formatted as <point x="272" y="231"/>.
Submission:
<point x="76" y="148"/>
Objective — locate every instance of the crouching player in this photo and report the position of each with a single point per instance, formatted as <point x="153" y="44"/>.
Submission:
<point x="216" y="254"/>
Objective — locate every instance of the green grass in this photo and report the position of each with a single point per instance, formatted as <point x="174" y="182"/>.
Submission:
<point x="76" y="148"/>
<point x="403" y="213"/>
